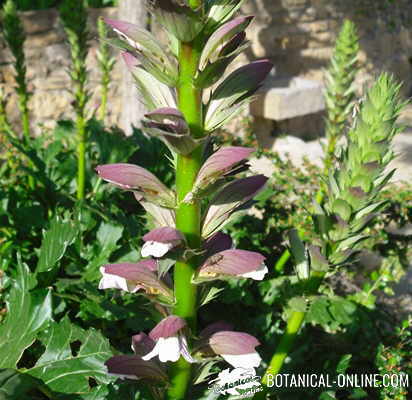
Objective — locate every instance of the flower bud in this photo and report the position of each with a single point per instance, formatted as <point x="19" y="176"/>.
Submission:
<point x="170" y="126"/>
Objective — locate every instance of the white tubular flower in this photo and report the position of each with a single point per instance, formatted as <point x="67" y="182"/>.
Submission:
<point x="170" y="342"/>
<point x="237" y="348"/>
<point x="160" y="241"/>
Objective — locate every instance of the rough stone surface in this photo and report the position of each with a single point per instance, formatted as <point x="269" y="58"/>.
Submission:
<point x="289" y="98"/>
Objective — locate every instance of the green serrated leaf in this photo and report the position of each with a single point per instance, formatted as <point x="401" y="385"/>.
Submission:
<point x="65" y="371"/>
<point x="27" y="314"/>
<point x="59" y="236"/>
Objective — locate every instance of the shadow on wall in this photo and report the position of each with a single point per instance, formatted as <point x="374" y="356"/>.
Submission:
<point x="299" y="35"/>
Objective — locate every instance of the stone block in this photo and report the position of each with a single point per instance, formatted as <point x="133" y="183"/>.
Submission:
<point x="288" y="98"/>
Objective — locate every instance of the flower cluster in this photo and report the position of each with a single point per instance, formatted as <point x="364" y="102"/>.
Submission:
<point x="216" y="190"/>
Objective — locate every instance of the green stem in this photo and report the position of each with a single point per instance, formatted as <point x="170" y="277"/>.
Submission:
<point x="25" y="117"/>
<point x="294" y="323"/>
<point x="81" y="156"/>
<point x="287" y="341"/>
<point x="280" y="263"/>
<point x="187" y="214"/>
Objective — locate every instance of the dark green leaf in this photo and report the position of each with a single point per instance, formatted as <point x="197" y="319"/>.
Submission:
<point x="66" y="371"/>
<point x="27" y="314"/>
<point x="59" y="236"/>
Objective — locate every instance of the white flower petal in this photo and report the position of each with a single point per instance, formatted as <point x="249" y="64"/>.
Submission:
<point x="169" y="349"/>
<point x="155" y="249"/>
<point x="153" y="353"/>
<point x="109" y="281"/>
<point x="257" y="274"/>
<point x="251" y="360"/>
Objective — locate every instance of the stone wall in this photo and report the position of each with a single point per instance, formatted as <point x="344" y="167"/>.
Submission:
<point x="298" y="35"/>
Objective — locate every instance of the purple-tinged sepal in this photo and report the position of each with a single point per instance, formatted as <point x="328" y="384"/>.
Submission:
<point x="220" y="38"/>
<point x="134" y="367"/>
<point x="170" y="342"/>
<point x="229" y="200"/>
<point x="154" y="94"/>
<point x="232" y="263"/>
<point x="170" y="126"/>
<point x="236" y="348"/>
<point x="221" y="48"/>
<point x="216" y="243"/>
<point x="224" y="162"/>
<point x="132" y="277"/>
<point x="213" y="72"/>
<point x="160" y="241"/>
<point x="146" y="48"/>
<point x="235" y="92"/>
<point x="137" y="179"/>
<point x="178" y="18"/>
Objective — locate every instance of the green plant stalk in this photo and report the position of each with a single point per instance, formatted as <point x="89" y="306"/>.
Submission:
<point x="81" y="156"/>
<point x="293" y="326"/>
<point x="187" y="214"/>
<point x="24" y="98"/>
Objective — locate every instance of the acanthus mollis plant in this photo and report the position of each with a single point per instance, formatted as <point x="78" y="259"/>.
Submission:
<point x="15" y="37"/>
<point x="351" y="203"/>
<point x="204" y="39"/>
<point x="106" y="64"/>
<point x="73" y="16"/>
<point x="340" y="91"/>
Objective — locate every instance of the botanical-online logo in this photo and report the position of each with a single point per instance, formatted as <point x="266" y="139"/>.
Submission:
<point x="239" y="381"/>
